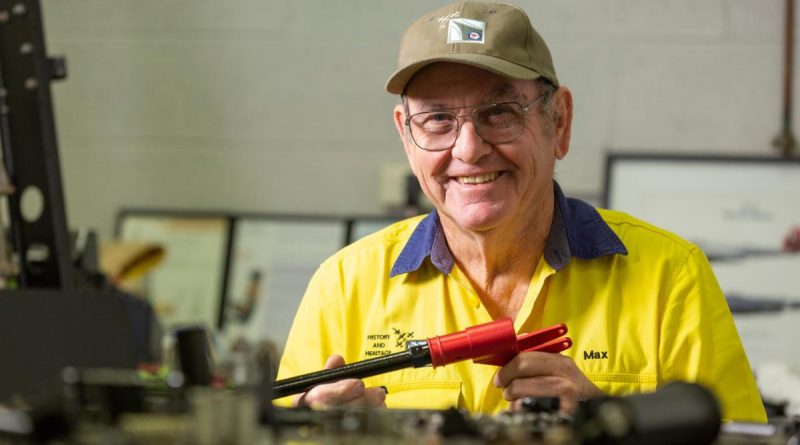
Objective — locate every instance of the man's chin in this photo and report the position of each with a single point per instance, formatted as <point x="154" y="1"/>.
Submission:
<point x="478" y="220"/>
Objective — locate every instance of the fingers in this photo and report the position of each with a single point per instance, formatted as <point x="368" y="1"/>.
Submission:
<point x="531" y="364"/>
<point x="544" y="386"/>
<point x="539" y="374"/>
<point x="349" y="392"/>
<point x="334" y="361"/>
<point x="373" y="397"/>
<point x="336" y="393"/>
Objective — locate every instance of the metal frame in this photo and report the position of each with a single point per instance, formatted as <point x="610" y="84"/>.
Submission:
<point x="232" y="219"/>
<point x="611" y="158"/>
<point x="30" y="149"/>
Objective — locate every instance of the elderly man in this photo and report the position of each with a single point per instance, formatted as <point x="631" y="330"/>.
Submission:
<point x="483" y="119"/>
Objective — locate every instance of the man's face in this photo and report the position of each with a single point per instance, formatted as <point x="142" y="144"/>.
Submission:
<point x="478" y="186"/>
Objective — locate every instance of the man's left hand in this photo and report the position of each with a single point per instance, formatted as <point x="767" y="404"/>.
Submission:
<point x="544" y="374"/>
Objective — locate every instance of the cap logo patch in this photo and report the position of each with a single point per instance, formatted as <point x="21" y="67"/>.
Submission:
<point x="465" y="31"/>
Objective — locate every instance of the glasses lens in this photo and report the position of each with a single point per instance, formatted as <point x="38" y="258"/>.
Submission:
<point x="435" y="130"/>
<point x="500" y="122"/>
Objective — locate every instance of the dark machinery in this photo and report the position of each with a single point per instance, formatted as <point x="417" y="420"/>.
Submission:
<point x="38" y="223"/>
<point x="54" y="303"/>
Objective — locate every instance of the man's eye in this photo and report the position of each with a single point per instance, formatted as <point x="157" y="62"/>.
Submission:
<point x="502" y="114"/>
<point x="440" y="117"/>
<point x="436" y="122"/>
<point x="500" y="110"/>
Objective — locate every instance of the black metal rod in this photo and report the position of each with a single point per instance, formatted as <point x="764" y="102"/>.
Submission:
<point x="415" y="357"/>
<point x="785" y="141"/>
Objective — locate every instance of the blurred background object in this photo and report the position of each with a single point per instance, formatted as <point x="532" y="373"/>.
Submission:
<point x="127" y="263"/>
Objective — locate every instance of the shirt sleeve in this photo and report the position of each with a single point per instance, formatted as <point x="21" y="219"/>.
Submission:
<point x="316" y="331"/>
<point x="699" y="341"/>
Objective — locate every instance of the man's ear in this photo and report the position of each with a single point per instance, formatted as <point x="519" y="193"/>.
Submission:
<point x="400" y="120"/>
<point x="562" y="114"/>
<point x="400" y="126"/>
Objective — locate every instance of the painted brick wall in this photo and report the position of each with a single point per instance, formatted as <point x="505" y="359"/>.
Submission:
<point x="279" y="105"/>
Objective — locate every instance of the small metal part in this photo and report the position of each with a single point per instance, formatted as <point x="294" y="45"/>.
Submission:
<point x="19" y="9"/>
<point x="58" y="67"/>
<point x="31" y="83"/>
<point x="615" y="419"/>
<point x="26" y="48"/>
<point x="540" y="404"/>
<point x="6" y="187"/>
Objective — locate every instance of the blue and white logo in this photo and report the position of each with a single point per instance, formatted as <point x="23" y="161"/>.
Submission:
<point x="465" y="31"/>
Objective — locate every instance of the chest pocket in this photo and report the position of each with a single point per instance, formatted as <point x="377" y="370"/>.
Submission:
<point x="419" y="388"/>
<point x="621" y="384"/>
<point x="435" y="394"/>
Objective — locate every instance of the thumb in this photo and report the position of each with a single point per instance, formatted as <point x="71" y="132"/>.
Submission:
<point x="334" y="361"/>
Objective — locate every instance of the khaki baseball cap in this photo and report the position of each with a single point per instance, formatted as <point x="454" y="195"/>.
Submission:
<point x="493" y="36"/>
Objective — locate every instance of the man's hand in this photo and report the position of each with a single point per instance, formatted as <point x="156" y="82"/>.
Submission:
<point x="350" y="392"/>
<point x="544" y="374"/>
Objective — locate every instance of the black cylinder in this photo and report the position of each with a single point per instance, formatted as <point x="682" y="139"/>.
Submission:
<point x="194" y="355"/>
<point x="415" y="357"/>
<point x="677" y="414"/>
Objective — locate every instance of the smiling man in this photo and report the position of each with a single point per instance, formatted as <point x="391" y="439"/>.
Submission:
<point x="483" y="120"/>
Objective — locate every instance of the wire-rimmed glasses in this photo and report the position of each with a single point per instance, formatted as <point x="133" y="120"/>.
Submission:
<point x="495" y="123"/>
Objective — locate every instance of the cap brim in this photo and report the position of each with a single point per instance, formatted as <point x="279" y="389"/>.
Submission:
<point x="397" y="82"/>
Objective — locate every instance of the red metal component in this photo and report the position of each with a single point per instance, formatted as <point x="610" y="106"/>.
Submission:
<point x="494" y="343"/>
<point x="792" y="241"/>
<point x="544" y="340"/>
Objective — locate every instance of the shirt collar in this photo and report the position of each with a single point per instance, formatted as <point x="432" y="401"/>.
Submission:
<point x="577" y="231"/>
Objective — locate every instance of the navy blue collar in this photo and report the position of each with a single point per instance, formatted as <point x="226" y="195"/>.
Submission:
<point x="577" y="231"/>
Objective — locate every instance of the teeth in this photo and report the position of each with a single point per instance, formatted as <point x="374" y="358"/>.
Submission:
<point x="480" y="179"/>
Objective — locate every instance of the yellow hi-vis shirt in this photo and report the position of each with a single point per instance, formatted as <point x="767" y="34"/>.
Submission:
<point x="642" y="307"/>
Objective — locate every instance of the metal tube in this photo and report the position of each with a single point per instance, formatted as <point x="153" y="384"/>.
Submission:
<point x="785" y="141"/>
<point x="415" y="357"/>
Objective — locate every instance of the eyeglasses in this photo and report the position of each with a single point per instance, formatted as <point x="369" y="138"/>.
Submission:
<point x="495" y="123"/>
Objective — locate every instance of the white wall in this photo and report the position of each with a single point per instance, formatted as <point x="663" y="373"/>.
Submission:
<point x="279" y="105"/>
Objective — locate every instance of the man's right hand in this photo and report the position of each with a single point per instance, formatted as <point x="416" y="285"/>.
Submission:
<point x="347" y="392"/>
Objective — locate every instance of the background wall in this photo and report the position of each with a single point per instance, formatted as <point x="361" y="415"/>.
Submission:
<point x="279" y="106"/>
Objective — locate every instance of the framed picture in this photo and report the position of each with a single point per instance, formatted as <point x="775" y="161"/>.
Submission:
<point x="738" y="210"/>
<point x="186" y="287"/>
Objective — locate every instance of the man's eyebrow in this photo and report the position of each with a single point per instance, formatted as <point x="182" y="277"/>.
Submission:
<point x="432" y="106"/>
<point x="505" y="93"/>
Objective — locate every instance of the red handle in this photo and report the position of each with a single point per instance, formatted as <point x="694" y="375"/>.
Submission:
<point x="495" y="343"/>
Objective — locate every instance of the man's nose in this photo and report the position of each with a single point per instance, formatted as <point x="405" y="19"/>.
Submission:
<point x="470" y="147"/>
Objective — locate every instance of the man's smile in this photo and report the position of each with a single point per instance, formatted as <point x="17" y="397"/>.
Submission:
<point x="478" y="179"/>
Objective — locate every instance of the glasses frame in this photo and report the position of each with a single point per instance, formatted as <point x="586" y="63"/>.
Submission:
<point x="472" y="116"/>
